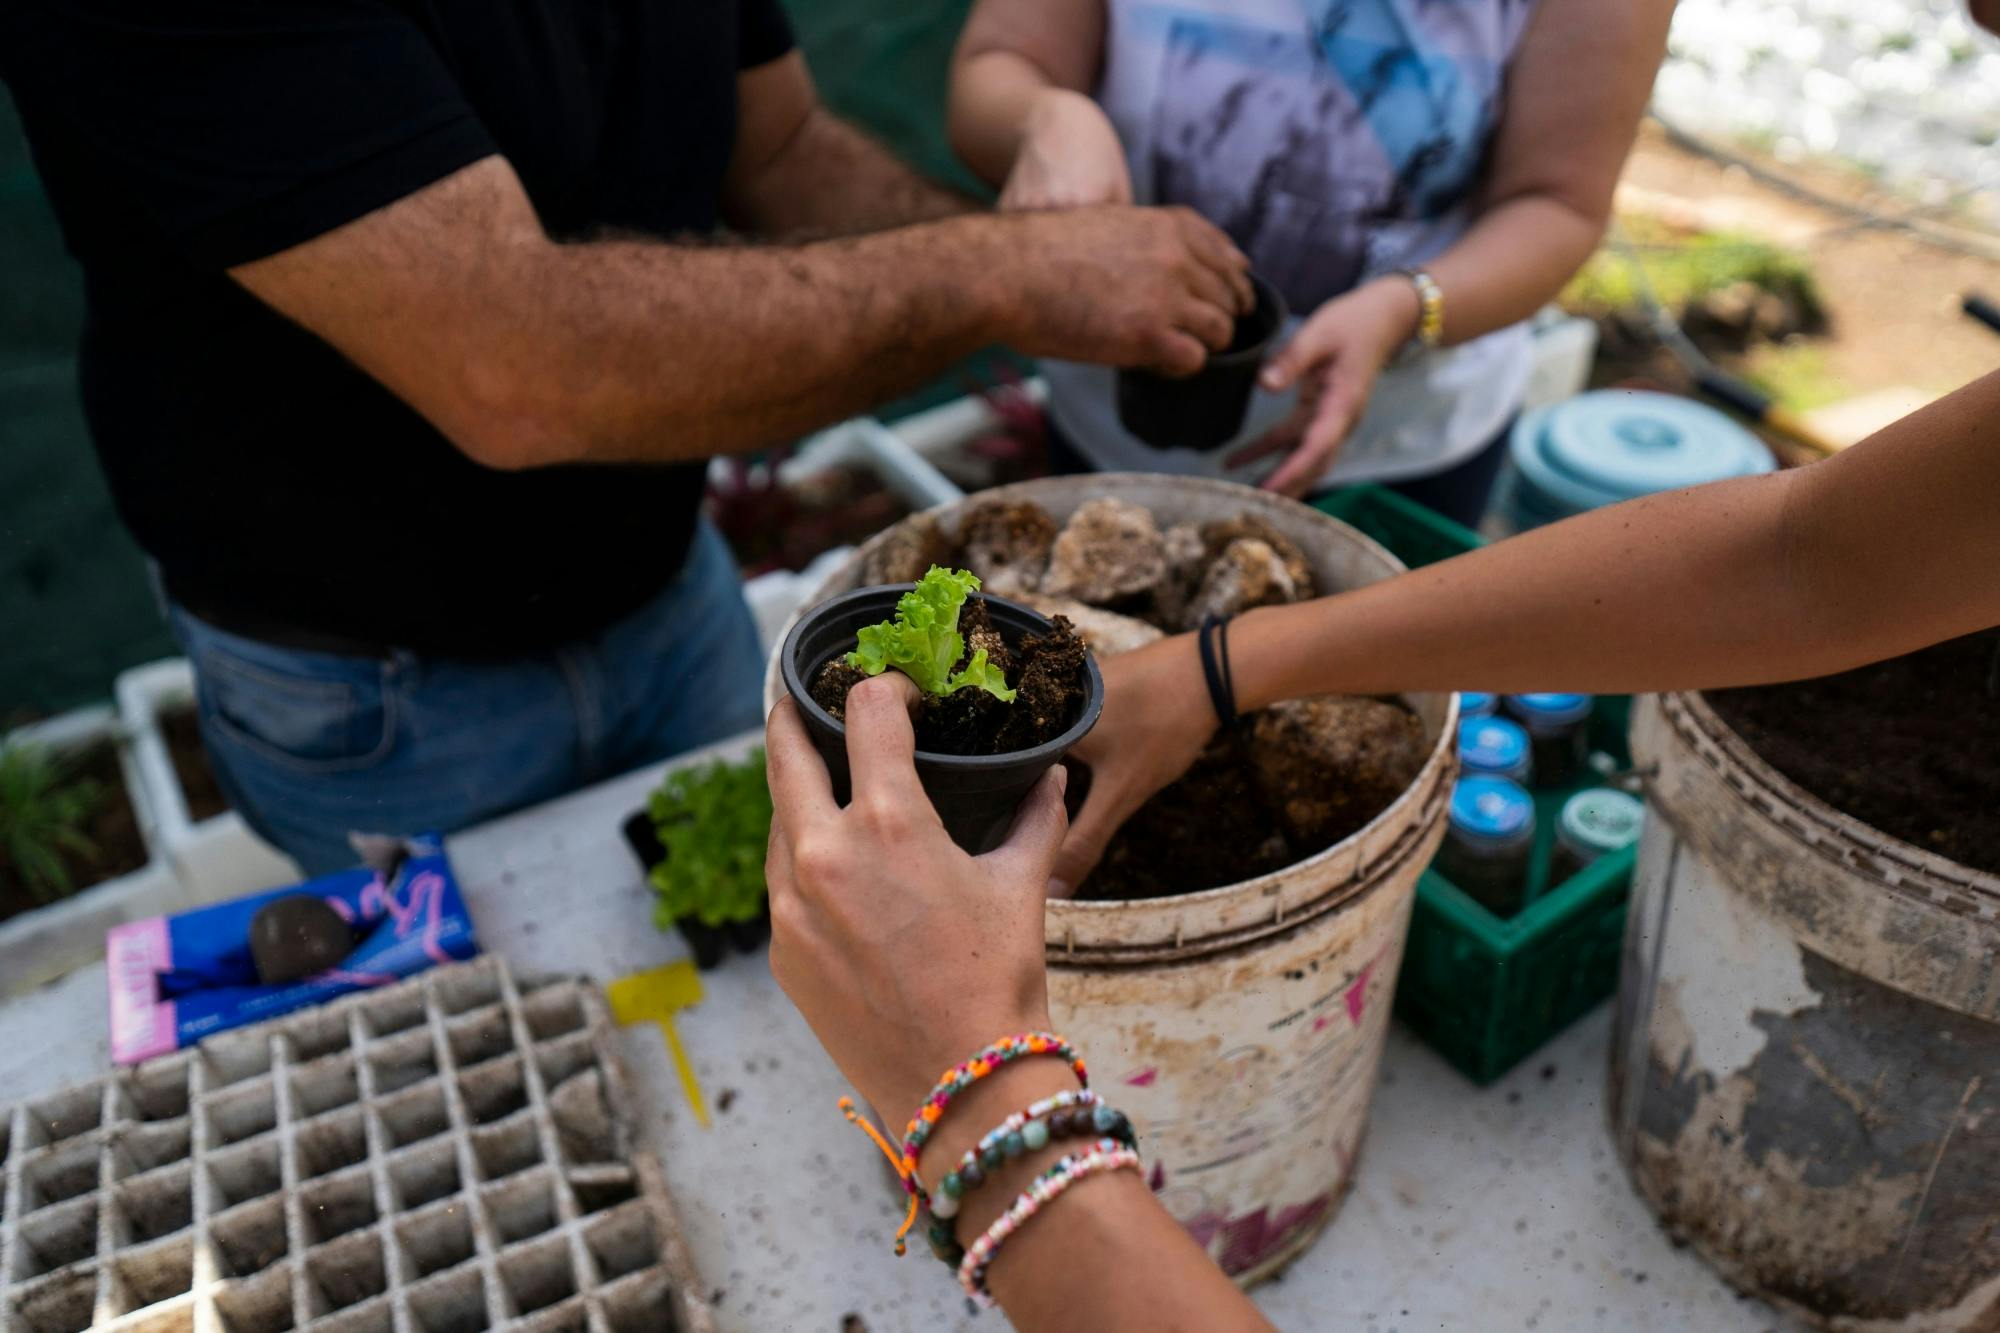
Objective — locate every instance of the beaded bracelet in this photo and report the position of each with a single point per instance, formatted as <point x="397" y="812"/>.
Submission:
<point x="1104" y="1156"/>
<point x="962" y="1076"/>
<point x="1057" y="1117"/>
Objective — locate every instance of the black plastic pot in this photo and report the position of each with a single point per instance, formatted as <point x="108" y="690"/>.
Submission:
<point x="1205" y="409"/>
<point x="975" y="795"/>
<point x="709" y="944"/>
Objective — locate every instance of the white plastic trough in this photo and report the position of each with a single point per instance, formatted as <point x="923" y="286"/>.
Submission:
<point x="217" y="858"/>
<point x="51" y="941"/>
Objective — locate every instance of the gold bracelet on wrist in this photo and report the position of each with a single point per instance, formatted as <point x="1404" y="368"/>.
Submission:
<point x="1430" y="307"/>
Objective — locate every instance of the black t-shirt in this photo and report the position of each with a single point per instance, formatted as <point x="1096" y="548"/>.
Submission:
<point x="272" y="480"/>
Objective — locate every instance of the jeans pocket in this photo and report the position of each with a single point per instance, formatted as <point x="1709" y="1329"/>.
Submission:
<point x="324" y="723"/>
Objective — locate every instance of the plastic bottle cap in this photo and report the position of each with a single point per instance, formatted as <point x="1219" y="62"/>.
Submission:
<point x="1489" y="807"/>
<point x="1602" y="819"/>
<point x="1550" y="709"/>
<point x="1471" y="703"/>
<point x="1491" y="745"/>
<point x="1613" y="444"/>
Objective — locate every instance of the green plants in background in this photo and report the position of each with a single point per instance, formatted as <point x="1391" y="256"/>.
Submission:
<point x="1687" y="268"/>
<point x="923" y="641"/>
<point x="713" y="822"/>
<point x="45" y="814"/>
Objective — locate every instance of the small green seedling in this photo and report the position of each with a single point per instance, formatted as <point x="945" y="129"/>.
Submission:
<point x="923" y="641"/>
<point x="43" y="816"/>
<point x="714" y="822"/>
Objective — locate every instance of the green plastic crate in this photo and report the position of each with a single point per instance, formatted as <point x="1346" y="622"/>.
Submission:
<point x="1483" y="990"/>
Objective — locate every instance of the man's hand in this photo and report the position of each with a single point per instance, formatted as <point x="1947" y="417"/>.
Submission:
<point x="904" y="953"/>
<point x="1070" y="157"/>
<point x="1151" y="287"/>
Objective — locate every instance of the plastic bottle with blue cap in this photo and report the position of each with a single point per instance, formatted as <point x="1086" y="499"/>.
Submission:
<point x="1594" y="823"/>
<point x="1488" y="841"/>
<point x="1495" y="747"/>
<point x="1472" y="703"/>
<point x="1558" y="727"/>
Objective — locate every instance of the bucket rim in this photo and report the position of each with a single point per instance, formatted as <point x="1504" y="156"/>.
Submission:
<point x="1151" y="930"/>
<point x="1858" y="847"/>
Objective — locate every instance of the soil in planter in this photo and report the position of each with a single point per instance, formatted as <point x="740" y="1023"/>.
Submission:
<point x="1908" y="746"/>
<point x="1046" y="672"/>
<point x="113" y="831"/>
<point x="204" y="794"/>
<point x="1284" y="784"/>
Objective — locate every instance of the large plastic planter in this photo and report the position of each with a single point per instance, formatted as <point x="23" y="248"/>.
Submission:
<point x="1486" y="991"/>
<point x="52" y="941"/>
<point x="218" y="858"/>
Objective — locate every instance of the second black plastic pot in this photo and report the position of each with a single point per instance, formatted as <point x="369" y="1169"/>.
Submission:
<point x="974" y="794"/>
<point x="1205" y="409"/>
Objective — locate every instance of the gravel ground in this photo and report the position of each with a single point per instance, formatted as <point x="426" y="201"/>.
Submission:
<point x="1909" y="89"/>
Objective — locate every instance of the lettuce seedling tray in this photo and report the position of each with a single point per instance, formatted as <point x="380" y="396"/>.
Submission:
<point x="1482" y="990"/>
<point x="455" y="1152"/>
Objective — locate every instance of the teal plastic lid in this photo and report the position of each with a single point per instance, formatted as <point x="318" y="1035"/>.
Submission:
<point x="1549" y="709"/>
<point x="1471" y="703"/>
<point x="1491" y="808"/>
<point x="1602" y="820"/>
<point x="1492" y="745"/>
<point x="1614" y="444"/>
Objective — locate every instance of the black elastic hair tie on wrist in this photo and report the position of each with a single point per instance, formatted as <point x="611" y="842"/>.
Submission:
<point x="1214" y="641"/>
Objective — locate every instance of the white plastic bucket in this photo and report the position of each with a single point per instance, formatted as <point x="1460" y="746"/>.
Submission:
<point x="1805" y="1082"/>
<point x="1242" y="1027"/>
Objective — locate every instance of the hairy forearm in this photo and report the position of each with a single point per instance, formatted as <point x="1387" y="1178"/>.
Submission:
<point x="1878" y="551"/>
<point x="1513" y="260"/>
<point x="830" y="179"/>
<point x="638" y="351"/>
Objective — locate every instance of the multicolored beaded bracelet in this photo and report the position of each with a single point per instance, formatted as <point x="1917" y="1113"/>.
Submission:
<point x="1104" y="1156"/>
<point x="1057" y="1117"/>
<point x="954" y="1081"/>
<point x="962" y="1076"/>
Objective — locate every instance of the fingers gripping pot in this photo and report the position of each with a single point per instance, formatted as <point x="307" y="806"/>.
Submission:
<point x="1241" y="1028"/>
<point x="975" y="795"/>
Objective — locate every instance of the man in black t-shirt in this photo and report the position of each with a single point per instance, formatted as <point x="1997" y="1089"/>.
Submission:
<point x="409" y="333"/>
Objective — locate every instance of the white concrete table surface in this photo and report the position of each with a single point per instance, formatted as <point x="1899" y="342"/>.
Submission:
<point x="1497" y="1209"/>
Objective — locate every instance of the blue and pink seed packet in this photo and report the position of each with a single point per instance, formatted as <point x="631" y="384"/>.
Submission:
<point x="177" y="979"/>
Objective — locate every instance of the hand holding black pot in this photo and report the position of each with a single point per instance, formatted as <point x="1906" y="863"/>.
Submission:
<point x="975" y="795"/>
<point x="1205" y="409"/>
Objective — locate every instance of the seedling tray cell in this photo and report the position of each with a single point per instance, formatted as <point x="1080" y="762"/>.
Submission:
<point x="452" y="1153"/>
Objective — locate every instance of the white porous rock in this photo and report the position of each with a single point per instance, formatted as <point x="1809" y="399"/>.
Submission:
<point x="1247" y="573"/>
<point x="1007" y="545"/>
<point x="1110" y="549"/>
<point x="1106" y="632"/>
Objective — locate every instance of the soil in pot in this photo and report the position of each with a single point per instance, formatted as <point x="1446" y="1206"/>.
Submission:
<point x="182" y="731"/>
<point x="1046" y="673"/>
<point x="1908" y="745"/>
<point x="111" y="828"/>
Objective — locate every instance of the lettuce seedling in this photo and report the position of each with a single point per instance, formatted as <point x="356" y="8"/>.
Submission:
<point x="714" y="822"/>
<point x="923" y="641"/>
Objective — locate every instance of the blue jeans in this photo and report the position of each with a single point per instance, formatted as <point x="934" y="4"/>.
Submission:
<point x="310" y="746"/>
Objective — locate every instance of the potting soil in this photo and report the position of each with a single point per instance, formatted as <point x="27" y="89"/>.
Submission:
<point x="1907" y="745"/>
<point x="1045" y="671"/>
<point x="203" y="793"/>
<point x="1283" y="784"/>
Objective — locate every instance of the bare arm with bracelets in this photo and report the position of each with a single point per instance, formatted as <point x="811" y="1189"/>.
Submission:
<point x="1880" y="550"/>
<point x="905" y="963"/>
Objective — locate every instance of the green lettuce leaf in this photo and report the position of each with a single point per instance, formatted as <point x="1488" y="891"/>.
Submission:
<point x="923" y="641"/>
